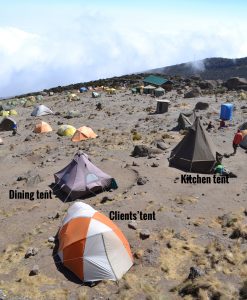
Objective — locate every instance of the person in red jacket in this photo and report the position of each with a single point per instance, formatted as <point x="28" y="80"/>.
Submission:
<point x="236" y="141"/>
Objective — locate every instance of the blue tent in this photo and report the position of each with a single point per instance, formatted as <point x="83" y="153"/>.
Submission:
<point x="83" y="89"/>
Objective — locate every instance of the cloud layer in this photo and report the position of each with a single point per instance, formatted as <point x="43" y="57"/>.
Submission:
<point x="90" y="46"/>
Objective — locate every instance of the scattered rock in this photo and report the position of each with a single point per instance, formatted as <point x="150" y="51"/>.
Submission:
<point x="51" y="239"/>
<point x="34" y="271"/>
<point x="106" y="199"/>
<point x="132" y="225"/>
<point x="31" y="252"/>
<point x="142" y="151"/>
<point x="154" y="165"/>
<point x="28" y="138"/>
<point x="139" y="254"/>
<point x="236" y="83"/>
<point x="179" y="237"/>
<point x="195" y="272"/>
<point x="201" y="105"/>
<point x="196" y="92"/>
<point x="142" y="180"/>
<point x="227" y="220"/>
<point x="239" y="233"/>
<point x="161" y="145"/>
<point x="145" y="234"/>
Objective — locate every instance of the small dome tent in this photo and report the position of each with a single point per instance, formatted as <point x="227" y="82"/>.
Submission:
<point x="41" y="110"/>
<point x="92" y="246"/>
<point x="66" y="130"/>
<point x="7" y="124"/>
<point x="42" y="127"/>
<point x="83" y="133"/>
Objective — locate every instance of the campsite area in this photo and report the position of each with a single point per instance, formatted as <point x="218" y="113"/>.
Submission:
<point x="196" y="225"/>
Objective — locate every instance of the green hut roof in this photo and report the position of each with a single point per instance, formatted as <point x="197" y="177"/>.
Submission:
<point x="156" y="80"/>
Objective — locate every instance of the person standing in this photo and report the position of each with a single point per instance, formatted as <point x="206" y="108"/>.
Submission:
<point x="14" y="129"/>
<point x="236" y="141"/>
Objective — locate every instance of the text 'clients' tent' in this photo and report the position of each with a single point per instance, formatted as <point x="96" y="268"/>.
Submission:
<point x="42" y="127"/>
<point x="92" y="246"/>
<point x="81" y="178"/>
<point x="7" y="124"/>
<point x="41" y="110"/>
<point x="196" y="152"/>
<point x="83" y="133"/>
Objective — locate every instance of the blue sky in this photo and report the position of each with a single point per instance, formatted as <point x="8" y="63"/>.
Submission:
<point x="50" y="43"/>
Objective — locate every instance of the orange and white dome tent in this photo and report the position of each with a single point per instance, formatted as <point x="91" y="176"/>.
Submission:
<point x="42" y="127"/>
<point x="83" y="133"/>
<point x="92" y="246"/>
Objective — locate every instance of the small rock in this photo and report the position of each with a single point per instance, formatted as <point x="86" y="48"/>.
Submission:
<point x="139" y="253"/>
<point x="51" y="239"/>
<point x="132" y="225"/>
<point x="106" y="198"/>
<point x="161" y="145"/>
<point x="34" y="271"/>
<point x="31" y="252"/>
<point x="145" y="234"/>
<point x="141" y="180"/>
<point x="154" y="165"/>
<point x="134" y="164"/>
<point x="57" y="215"/>
<point x="195" y="272"/>
<point x="28" y="138"/>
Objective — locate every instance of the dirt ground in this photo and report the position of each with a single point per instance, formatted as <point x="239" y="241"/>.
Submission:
<point x="196" y="225"/>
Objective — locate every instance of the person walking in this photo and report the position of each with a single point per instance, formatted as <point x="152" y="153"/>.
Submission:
<point x="14" y="129"/>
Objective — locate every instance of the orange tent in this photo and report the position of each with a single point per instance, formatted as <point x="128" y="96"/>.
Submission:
<point x="42" y="127"/>
<point x="92" y="246"/>
<point x="83" y="133"/>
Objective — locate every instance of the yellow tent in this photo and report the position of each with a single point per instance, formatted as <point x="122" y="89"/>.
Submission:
<point x="243" y="96"/>
<point x="13" y="112"/>
<point x="66" y="130"/>
<point x="4" y="113"/>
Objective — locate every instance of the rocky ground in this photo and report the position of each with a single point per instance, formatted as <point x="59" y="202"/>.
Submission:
<point x="196" y="246"/>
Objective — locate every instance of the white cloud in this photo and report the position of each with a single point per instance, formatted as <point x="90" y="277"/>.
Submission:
<point x="92" y="46"/>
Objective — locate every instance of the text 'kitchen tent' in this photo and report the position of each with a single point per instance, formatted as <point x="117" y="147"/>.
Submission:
<point x="196" y="152"/>
<point x="81" y="177"/>
<point x="92" y="246"/>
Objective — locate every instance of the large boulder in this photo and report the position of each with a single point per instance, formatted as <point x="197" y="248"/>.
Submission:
<point x="142" y="151"/>
<point x="195" y="77"/>
<point x="236" y="83"/>
<point x="201" y="105"/>
<point x="208" y="84"/>
<point x="195" y="92"/>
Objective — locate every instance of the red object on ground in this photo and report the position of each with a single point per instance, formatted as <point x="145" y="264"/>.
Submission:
<point x="237" y="138"/>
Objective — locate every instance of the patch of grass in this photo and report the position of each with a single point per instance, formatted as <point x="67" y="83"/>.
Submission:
<point x="136" y="136"/>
